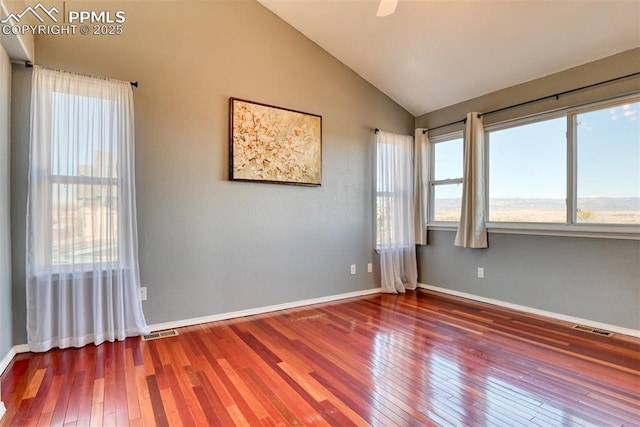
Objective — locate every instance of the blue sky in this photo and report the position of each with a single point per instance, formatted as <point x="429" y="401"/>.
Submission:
<point x="531" y="161"/>
<point x="609" y="152"/>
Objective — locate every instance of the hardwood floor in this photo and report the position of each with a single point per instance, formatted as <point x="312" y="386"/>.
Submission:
<point x="416" y="359"/>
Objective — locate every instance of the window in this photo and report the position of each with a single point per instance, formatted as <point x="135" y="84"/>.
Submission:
<point x="608" y="165"/>
<point x="528" y="172"/>
<point x="394" y="191"/>
<point x="82" y="273"/>
<point x="577" y="167"/>
<point x="385" y="200"/>
<point x="446" y="178"/>
<point x="84" y="197"/>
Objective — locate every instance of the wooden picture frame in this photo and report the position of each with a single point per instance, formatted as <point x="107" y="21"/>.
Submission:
<point x="273" y="144"/>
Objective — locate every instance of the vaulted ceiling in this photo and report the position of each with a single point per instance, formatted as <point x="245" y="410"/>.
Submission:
<point x="431" y="54"/>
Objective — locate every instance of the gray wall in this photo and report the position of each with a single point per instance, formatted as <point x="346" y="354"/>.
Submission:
<point x="595" y="279"/>
<point x="6" y="328"/>
<point x="621" y="64"/>
<point x="208" y="245"/>
<point x="20" y="99"/>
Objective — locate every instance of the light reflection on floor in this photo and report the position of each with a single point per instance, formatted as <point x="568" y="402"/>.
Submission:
<point x="450" y="392"/>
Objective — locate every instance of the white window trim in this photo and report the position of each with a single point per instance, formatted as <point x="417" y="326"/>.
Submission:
<point x="524" y="121"/>
<point x="570" y="228"/>
<point x="572" y="160"/>
<point x="551" y="229"/>
<point x="432" y="182"/>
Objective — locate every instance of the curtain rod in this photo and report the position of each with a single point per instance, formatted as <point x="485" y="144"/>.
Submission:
<point x="30" y="65"/>
<point x="555" y="95"/>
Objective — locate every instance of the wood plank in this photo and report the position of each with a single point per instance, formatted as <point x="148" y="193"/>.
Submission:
<point x="155" y="397"/>
<point x="421" y="358"/>
<point x="34" y="384"/>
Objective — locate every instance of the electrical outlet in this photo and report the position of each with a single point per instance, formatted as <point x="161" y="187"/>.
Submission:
<point x="353" y="269"/>
<point x="369" y="268"/>
<point x="480" y="273"/>
<point x="143" y="293"/>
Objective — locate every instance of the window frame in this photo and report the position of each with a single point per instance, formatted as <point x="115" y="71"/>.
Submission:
<point x="66" y="180"/>
<point x="572" y="144"/>
<point x="487" y="170"/>
<point x="432" y="183"/>
<point x="571" y="227"/>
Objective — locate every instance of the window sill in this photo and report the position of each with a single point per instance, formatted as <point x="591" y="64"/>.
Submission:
<point x="560" y="230"/>
<point x="442" y="226"/>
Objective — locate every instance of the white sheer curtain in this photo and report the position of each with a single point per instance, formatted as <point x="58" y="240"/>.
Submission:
<point x="472" y="230"/>
<point x="395" y="212"/>
<point x="82" y="255"/>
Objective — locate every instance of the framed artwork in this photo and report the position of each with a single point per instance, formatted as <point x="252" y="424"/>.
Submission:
<point x="273" y="144"/>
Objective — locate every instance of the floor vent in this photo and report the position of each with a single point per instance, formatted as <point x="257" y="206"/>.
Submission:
<point x="160" y="334"/>
<point x="593" y="330"/>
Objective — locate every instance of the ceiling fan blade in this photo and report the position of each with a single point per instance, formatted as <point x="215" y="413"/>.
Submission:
<point x="387" y="7"/>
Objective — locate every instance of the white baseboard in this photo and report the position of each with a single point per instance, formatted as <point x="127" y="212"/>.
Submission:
<point x="7" y="359"/>
<point x="4" y="363"/>
<point x="531" y="310"/>
<point x="259" y="310"/>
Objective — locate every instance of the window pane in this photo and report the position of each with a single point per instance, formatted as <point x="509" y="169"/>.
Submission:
<point x="84" y="223"/>
<point x="385" y="207"/>
<point x="448" y="159"/>
<point x="447" y="201"/>
<point x="82" y="141"/>
<point x="384" y="156"/>
<point x="527" y="173"/>
<point x="608" y="152"/>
